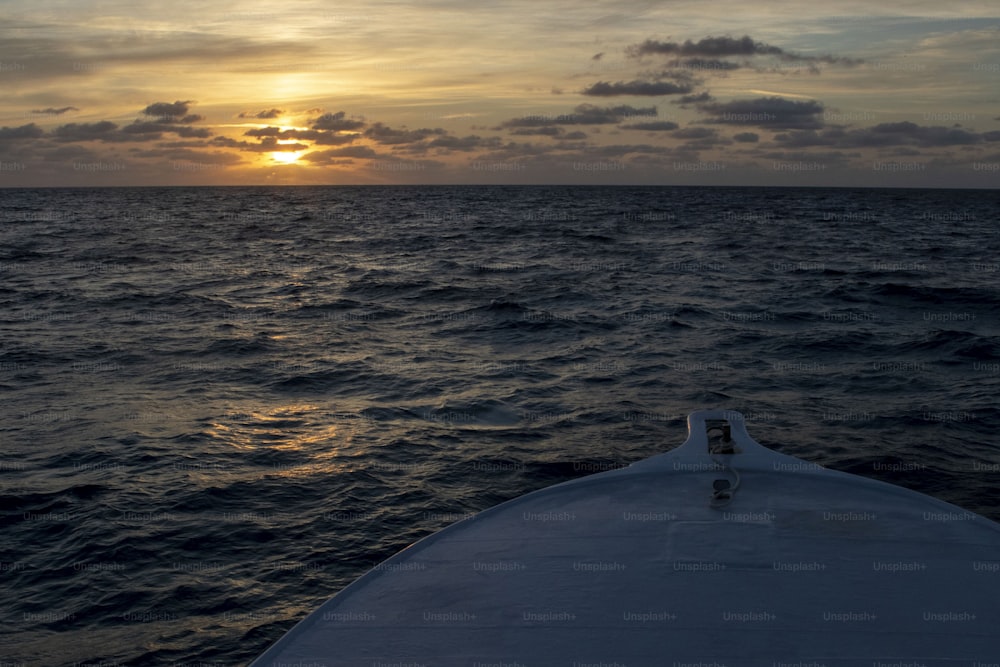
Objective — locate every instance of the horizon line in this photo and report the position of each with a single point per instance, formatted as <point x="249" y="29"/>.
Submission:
<point x="494" y="185"/>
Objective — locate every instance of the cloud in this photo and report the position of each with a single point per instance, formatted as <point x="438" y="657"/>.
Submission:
<point x="266" y="145"/>
<point x="384" y="134"/>
<point x="697" y="98"/>
<point x="264" y="114"/>
<point x="167" y="109"/>
<point x="572" y="146"/>
<point x="141" y="130"/>
<point x="902" y="133"/>
<point x="637" y="87"/>
<point x="270" y="145"/>
<point x="54" y="112"/>
<point x="150" y="130"/>
<point x="327" y="156"/>
<point x="774" y="112"/>
<point x="169" y="119"/>
<point x="746" y="137"/>
<point x="353" y="151"/>
<point x="187" y="131"/>
<point x="700" y="138"/>
<point x="69" y="153"/>
<point x="829" y="157"/>
<point x="695" y="133"/>
<point x="718" y="47"/>
<point x="443" y="142"/>
<point x="29" y="131"/>
<point x="545" y="130"/>
<point x="468" y="143"/>
<point x="664" y="82"/>
<point x="85" y="131"/>
<point x="514" y="150"/>
<point x="322" y="137"/>
<point x="619" y="150"/>
<point x="675" y="74"/>
<point x="709" y="46"/>
<point x="654" y="126"/>
<point x="269" y="131"/>
<point x="336" y="121"/>
<point x="169" y="151"/>
<point x="583" y="114"/>
<point x="705" y="65"/>
<point x="227" y="142"/>
<point x="347" y="156"/>
<point x="563" y="155"/>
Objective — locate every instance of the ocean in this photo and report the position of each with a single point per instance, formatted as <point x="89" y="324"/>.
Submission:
<point x="222" y="405"/>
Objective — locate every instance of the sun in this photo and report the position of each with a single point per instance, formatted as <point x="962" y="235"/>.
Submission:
<point x="286" y="157"/>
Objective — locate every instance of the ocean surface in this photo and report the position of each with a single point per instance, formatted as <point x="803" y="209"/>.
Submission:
<point x="219" y="406"/>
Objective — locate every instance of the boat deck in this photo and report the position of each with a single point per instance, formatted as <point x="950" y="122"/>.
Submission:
<point x="654" y="565"/>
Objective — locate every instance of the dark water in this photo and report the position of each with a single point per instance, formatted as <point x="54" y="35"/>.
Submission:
<point x="221" y="405"/>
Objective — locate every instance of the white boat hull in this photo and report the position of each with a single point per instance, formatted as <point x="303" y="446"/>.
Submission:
<point x="654" y="565"/>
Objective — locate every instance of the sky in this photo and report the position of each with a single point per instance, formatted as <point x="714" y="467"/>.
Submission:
<point x="676" y="92"/>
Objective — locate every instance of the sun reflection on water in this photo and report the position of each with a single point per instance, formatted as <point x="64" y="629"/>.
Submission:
<point x="301" y="430"/>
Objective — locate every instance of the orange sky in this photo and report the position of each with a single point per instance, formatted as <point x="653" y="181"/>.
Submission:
<point x="510" y="92"/>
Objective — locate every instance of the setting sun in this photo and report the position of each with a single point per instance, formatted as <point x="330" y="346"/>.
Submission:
<point x="286" y="157"/>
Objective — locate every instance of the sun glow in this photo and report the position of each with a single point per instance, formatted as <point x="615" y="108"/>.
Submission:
<point x="286" y="157"/>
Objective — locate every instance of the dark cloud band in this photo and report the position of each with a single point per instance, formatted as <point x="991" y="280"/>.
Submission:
<point x="720" y="47"/>
<point x="773" y="112"/>
<point x="606" y="89"/>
